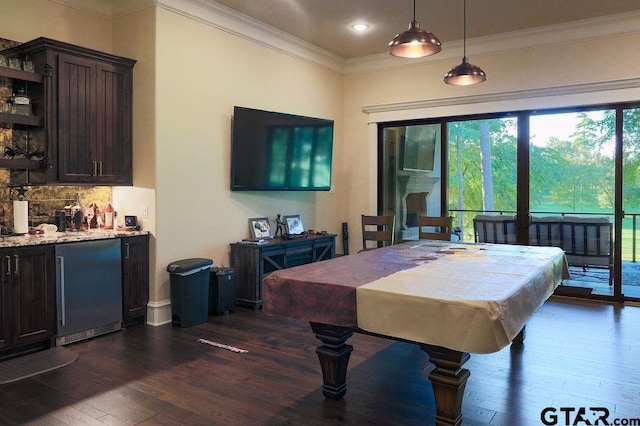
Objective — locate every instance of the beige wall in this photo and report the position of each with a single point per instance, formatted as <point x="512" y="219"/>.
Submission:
<point x="528" y="78"/>
<point x="25" y="20"/>
<point x="134" y="37"/>
<point x="201" y="73"/>
<point x="190" y="74"/>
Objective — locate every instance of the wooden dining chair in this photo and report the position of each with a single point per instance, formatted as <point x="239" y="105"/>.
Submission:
<point x="378" y="229"/>
<point x="442" y="227"/>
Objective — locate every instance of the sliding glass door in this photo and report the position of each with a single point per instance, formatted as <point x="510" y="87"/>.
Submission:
<point x="630" y="200"/>
<point x="482" y="170"/>
<point x="411" y="178"/>
<point x="572" y="194"/>
<point x="567" y="178"/>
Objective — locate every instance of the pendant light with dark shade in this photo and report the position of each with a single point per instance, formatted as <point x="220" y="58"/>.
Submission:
<point x="465" y="74"/>
<point x="415" y="42"/>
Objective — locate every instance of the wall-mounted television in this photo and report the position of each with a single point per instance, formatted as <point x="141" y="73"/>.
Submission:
<point x="418" y="148"/>
<point x="273" y="151"/>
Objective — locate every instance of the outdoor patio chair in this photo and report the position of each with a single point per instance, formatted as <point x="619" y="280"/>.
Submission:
<point x="497" y="229"/>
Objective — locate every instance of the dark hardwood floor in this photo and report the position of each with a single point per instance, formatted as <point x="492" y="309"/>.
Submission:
<point x="576" y="354"/>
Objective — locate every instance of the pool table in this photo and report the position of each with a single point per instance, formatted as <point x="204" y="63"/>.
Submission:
<point x="452" y="299"/>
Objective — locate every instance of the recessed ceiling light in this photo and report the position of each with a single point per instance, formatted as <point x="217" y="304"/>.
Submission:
<point x="360" y="27"/>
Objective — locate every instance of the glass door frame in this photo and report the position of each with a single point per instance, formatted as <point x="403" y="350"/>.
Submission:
<point x="381" y="198"/>
<point x="619" y="199"/>
<point x="618" y="206"/>
<point x="618" y="214"/>
<point x="523" y="172"/>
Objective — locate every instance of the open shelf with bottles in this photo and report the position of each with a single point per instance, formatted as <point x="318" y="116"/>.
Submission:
<point x="26" y="81"/>
<point x="22" y="120"/>
<point x="20" y="163"/>
<point x="31" y="82"/>
<point x="20" y="75"/>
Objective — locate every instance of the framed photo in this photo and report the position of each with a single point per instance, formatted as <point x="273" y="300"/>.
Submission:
<point x="294" y="224"/>
<point x="260" y="228"/>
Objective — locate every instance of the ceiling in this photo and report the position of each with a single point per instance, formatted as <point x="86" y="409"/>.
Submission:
<point x="327" y="23"/>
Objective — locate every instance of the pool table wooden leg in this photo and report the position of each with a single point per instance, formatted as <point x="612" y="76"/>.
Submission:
<point x="519" y="339"/>
<point x="448" y="380"/>
<point x="334" y="356"/>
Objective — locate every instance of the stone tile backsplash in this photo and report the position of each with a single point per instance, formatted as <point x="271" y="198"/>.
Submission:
<point x="45" y="200"/>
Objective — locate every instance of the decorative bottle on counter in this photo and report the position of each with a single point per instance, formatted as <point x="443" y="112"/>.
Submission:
<point x="77" y="214"/>
<point x="92" y="216"/>
<point x="108" y="216"/>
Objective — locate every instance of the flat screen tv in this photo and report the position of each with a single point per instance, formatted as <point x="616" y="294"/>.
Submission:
<point x="418" y="150"/>
<point x="273" y="151"/>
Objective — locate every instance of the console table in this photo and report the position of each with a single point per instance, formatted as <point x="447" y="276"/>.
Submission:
<point x="253" y="262"/>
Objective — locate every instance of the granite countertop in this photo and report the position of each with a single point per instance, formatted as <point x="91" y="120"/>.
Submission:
<point x="65" y="237"/>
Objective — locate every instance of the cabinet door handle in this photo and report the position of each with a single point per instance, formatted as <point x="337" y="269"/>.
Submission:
<point x="8" y="264"/>
<point x="60" y="280"/>
<point x="127" y="246"/>
<point x="95" y="168"/>
<point x="101" y="168"/>
<point x="17" y="265"/>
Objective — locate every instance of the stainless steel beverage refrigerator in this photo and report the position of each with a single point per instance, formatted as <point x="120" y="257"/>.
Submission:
<point x="88" y="289"/>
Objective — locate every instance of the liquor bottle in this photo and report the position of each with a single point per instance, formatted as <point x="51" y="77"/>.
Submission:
<point x="92" y="216"/>
<point x="108" y="216"/>
<point x="21" y="102"/>
<point x="77" y="214"/>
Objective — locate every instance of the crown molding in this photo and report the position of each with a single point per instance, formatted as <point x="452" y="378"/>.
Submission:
<point x="97" y="7"/>
<point x="225" y="19"/>
<point x="107" y="8"/>
<point x="588" y="29"/>
<point x="127" y="7"/>
<point x="551" y="94"/>
<point x="240" y="25"/>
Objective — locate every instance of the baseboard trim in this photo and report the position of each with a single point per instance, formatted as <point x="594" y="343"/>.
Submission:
<point x="159" y="313"/>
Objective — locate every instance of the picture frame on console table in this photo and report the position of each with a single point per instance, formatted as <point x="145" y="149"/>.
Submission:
<point x="260" y="228"/>
<point x="294" y="224"/>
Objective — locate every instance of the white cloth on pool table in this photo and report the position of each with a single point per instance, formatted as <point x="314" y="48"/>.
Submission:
<point x="475" y="300"/>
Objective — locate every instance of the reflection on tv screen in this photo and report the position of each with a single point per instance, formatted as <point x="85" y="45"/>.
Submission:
<point x="276" y="151"/>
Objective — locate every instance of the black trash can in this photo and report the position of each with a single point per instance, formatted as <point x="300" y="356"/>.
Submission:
<point x="222" y="291"/>
<point x="189" y="279"/>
